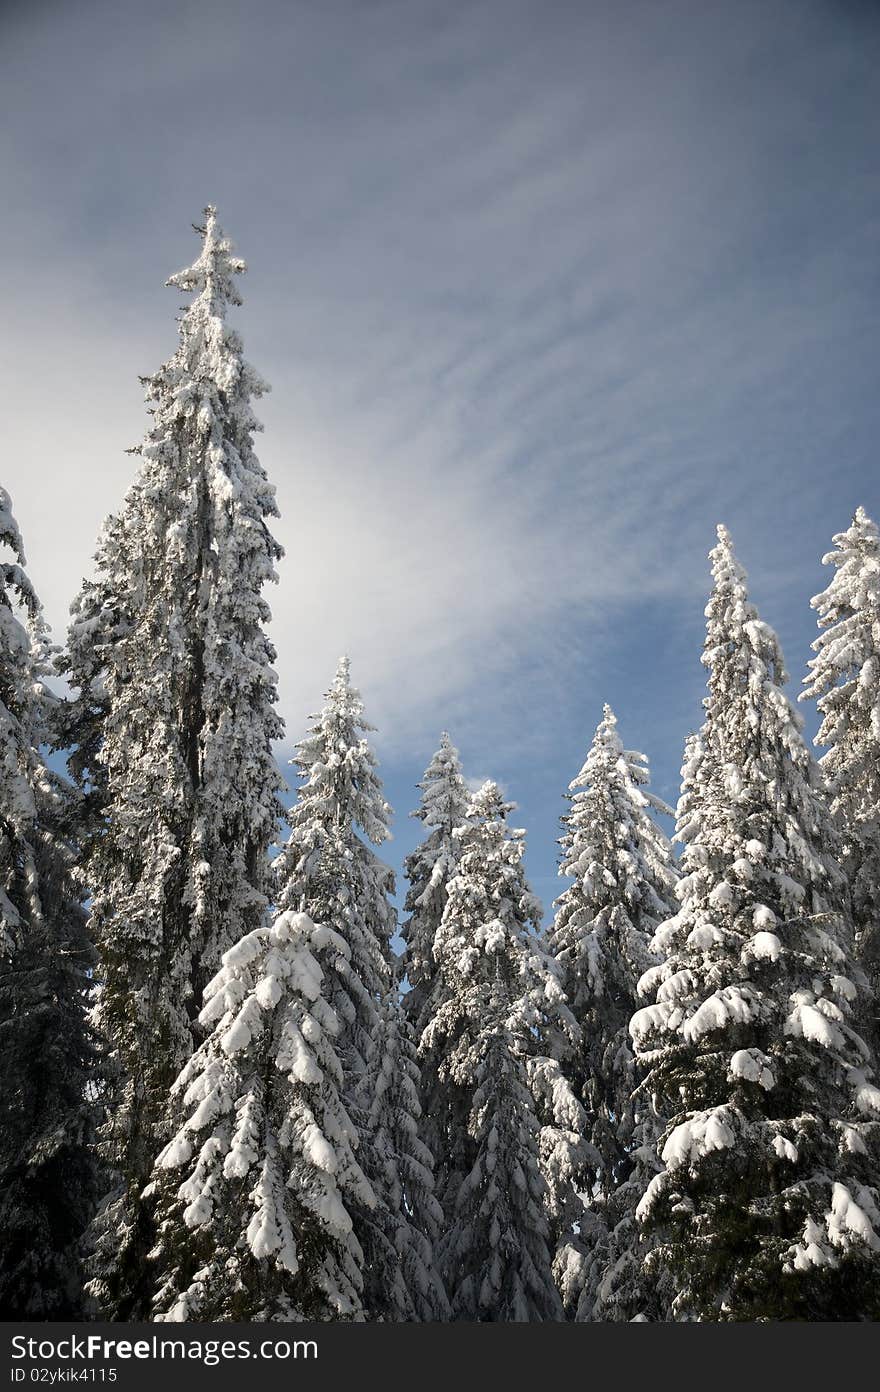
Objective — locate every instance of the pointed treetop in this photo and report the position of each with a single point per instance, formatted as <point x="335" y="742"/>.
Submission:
<point x="445" y="794"/>
<point x="853" y="591"/>
<point x="606" y="743"/>
<point x="488" y="803"/>
<point x="446" y="758"/>
<point x="729" y="590"/>
<point x="727" y="571"/>
<point x="723" y="551"/>
<point x="344" y="700"/>
<point x="339" y="766"/>
<point x="862" y="528"/>
<point x="861" y="531"/>
<point x="609" y="766"/>
<point x="734" y="627"/>
<point x="342" y="679"/>
<point x="213" y="270"/>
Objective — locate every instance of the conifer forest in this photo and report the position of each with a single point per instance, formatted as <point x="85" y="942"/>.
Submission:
<point x="237" y="1085"/>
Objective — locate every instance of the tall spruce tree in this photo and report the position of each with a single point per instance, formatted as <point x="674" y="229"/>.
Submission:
<point x="402" y="1280"/>
<point x="430" y="867"/>
<point x="177" y="704"/>
<point x="428" y="870"/>
<point x="99" y="620"/>
<point x="845" y="681"/>
<point x="765" y="1206"/>
<point x="496" y="998"/>
<point x="329" y="871"/>
<point x="48" y="1178"/>
<point x="623" y="875"/>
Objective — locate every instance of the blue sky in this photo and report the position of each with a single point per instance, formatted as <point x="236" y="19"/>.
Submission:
<point x="544" y="291"/>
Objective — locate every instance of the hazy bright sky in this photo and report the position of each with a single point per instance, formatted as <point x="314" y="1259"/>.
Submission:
<point x="544" y="291"/>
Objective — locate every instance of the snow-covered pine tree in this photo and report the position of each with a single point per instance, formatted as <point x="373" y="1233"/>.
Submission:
<point x="765" y="1206"/>
<point x="622" y="870"/>
<point x="257" y="1186"/>
<point x="497" y="1255"/>
<point x="329" y="871"/>
<point x="177" y="696"/>
<point x="496" y="997"/>
<point x="428" y="870"/>
<point x="99" y="621"/>
<point x="48" y="1177"/>
<point x="845" y="680"/>
<point x="402" y="1281"/>
<point x="328" y="868"/>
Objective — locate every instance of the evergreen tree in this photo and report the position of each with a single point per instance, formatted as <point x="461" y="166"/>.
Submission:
<point x="845" y="679"/>
<point x="176" y="713"/>
<point x="99" y="620"/>
<point x="428" y="870"/>
<point x="260" y="1228"/>
<point x="622" y="871"/>
<point x="443" y="807"/>
<point x="329" y="870"/>
<point x="398" y="1235"/>
<point x="496" y="996"/>
<point x="48" y="1177"/>
<point x="764" y="1207"/>
<point x="497" y="1255"/>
